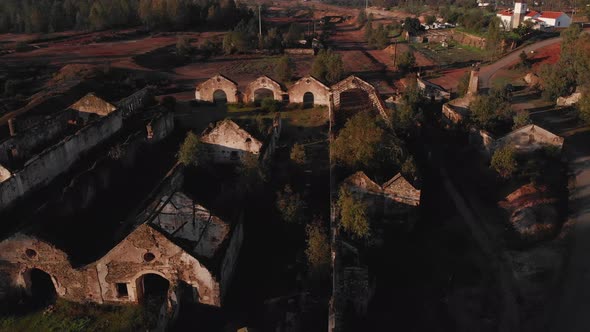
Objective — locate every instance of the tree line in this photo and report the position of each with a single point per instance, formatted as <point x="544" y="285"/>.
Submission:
<point x="33" y="16"/>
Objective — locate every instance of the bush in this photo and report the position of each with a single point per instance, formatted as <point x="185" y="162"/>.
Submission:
<point x="353" y="215"/>
<point x="184" y="47"/>
<point x="406" y="62"/>
<point x="190" y="150"/>
<point x="521" y="119"/>
<point x="318" y="249"/>
<point x="290" y="205"/>
<point x="298" y="154"/>
<point x="270" y="105"/>
<point x="504" y="161"/>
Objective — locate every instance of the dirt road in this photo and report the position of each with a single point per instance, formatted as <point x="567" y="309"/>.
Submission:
<point x="487" y="73"/>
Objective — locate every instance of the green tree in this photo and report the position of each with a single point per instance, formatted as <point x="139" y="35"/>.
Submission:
<point x="318" y="249"/>
<point x="361" y="18"/>
<point x="488" y="110"/>
<point x="494" y="38"/>
<point x="284" y="69"/>
<point x="504" y="161"/>
<point x="328" y="67"/>
<point x="290" y="205"/>
<point x="412" y="25"/>
<point x="270" y="105"/>
<point x="353" y="215"/>
<point x="358" y="143"/>
<point x="406" y="62"/>
<point x="463" y="86"/>
<point x="235" y="41"/>
<point x="298" y="154"/>
<point x="190" y="152"/>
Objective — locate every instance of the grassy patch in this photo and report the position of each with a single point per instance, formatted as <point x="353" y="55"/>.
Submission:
<point x="70" y="316"/>
<point x="454" y="54"/>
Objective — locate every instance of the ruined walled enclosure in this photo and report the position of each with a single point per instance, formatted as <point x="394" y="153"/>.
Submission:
<point x="112" y="166"/>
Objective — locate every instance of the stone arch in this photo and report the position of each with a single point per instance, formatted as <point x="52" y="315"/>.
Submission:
<point x="355" y="84"/>
<point x="40" y="285"/>
<point x="155" y="283"/>
<point x="261" y="94"/>
<point x="267" y="83"/>
<point x="206" y="90"/>
<point x="219" y="97"/>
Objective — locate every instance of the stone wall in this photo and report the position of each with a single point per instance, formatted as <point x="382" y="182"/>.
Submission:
<point x="160" y="127"/>
<point x="19" y="147"/>
<point x="300" y="51"/>
<point x="321" y="93"/>
<point x="44" y="167"/>
<point x="481" y="139"/>
<point x="353" y="83"/>
<point x="228" y="143"/>
<point x="232" y="254"/>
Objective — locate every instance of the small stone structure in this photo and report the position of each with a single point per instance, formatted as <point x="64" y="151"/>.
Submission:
<point x="432" y="91"/>
<point x="524" y="140"/>
<point x="383" y="199"/>
<point x="457" y="110"/>
<point x="228" y="143"/>
<point x="264" y="87"/>
<point x="174" y="238"/>
<point x="218" y="87"/>
<point x="309" y="90"/>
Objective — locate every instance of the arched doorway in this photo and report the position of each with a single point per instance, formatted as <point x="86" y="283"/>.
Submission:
<point x="220" y="97"/>
<point x="152" y="286"/>
<point x="41" y="287"/>
<point x="308" y="100"/>
<point x="261" y="94"/>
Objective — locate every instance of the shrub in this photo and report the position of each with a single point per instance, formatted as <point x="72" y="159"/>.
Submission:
<point x="270" y="105"/>
<point x="504" y="161"/>
<point x="190" y="150"/>
<point x="298" y="154"/>
<point x="353" y="215"/>
<point x="318" y="249"/>
<point x="290" y="205"/>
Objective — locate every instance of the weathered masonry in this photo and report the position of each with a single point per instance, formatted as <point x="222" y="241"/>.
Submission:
<point x="227" y="143"/>
<point x="173" y="239"/>
<point x="218" y="89"/>
<point x="33" y="158"/>
<point x="351" y="92"/>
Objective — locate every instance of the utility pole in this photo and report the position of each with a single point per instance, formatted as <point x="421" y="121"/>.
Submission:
<point x="259" y="23"/>
<point x="366" y="4"/>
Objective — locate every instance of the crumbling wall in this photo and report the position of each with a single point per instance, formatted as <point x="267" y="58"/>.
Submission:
<point x="264" y="82"/>
<point x="21" y="146"/>
<point x="136" y="102"/>
<point x="22" y="253"/>
<point x="529" y="138"/>
<point x="206" y="90"/>
<point x="481" y="139"/>
<point x="160" y="127"/>
<point x="127" y="262"/>
<point x="321" y="93"/>
<point x="43" y="168"/>
<point x="353" y="82"/>
<point x="230" y="260"/>
<point x="228" y="143"/>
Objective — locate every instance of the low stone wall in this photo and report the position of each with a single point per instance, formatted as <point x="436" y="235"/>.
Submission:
<point x="44" y="167"/>
<point x="300" y="51"/>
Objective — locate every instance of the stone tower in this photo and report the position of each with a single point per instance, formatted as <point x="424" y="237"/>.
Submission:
<point x="520" y="10"/>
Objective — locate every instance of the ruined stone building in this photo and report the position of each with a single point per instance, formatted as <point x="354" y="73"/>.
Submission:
<point x="172" y="241"/>
<point x="228" y="143"/>
<point x="391" y="198"/>
<point x="524" y="140"/>
<point x="36" y="156"/>
<point x="309" y="91"/>
<point x="432" y="91"/>
<point x="352" y="93"/>
<point x="218" y="89"/>
<point x="264" y="87"/>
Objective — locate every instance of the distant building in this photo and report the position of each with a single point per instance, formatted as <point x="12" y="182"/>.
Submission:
<point x="513" y="18"/>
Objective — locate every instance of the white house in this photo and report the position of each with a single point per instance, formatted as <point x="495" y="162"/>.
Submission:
<point x="512" y="18"/>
